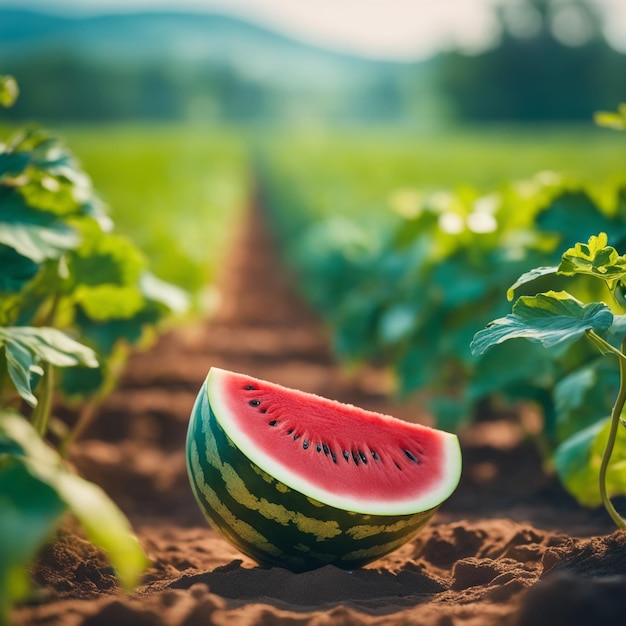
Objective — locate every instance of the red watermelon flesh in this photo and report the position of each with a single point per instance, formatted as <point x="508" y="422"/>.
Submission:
<point x="337" y="453"/>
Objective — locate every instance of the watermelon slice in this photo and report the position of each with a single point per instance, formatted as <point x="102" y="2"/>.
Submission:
<point x="297" y="480"/>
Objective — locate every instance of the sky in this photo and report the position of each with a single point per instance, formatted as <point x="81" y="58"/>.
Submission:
<point x="387" y="29"/>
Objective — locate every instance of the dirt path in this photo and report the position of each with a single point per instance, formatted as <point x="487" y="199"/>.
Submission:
<point x="508" y="548"/>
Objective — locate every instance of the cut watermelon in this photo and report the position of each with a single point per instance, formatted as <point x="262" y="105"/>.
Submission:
<point x="298" y="480"/>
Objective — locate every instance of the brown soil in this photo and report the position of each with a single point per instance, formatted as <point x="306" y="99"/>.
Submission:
<point x="510" y="547"/>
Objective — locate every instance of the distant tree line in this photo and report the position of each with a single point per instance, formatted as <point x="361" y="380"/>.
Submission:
<point x="552" y="63"/>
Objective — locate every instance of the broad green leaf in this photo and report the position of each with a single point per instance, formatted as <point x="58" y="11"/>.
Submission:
<point x="105" y="258"/>
<point x="35" y="234"/>
<point x="21" y="364"/>
<point x="51" y="345"/>
<point x="104" y="524"/>
<point x="578" y="459"/>
<point x="17" y="270"/>
<point x="109" y="301"/>
<point x="30" y="509"/>
<point x="548" y="318"/>
<point x="9" y="91"/>
<point x="595" y="258"/>
<point x="513" y="363"/>
<point x="529" y="277"/>
<point x="585" y="395"/>
<point x="25" y="347"/>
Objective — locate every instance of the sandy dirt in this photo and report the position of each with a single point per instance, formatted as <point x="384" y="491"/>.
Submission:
<point x="509" y="548"/>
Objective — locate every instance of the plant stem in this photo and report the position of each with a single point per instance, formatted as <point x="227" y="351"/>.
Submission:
<point x="41" y="414"/>
<point x="610" y="442"/>
<point x="85" y="418"/>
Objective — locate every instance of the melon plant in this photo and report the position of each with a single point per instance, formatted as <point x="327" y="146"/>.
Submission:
<point x="590" y="462"/>
<point x="300" y="481"/>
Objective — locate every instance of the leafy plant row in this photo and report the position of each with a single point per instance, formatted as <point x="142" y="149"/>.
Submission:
<point x="74" y="295"/>
<point x="409" y="293"/>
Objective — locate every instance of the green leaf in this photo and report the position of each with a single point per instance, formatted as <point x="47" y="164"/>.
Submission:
<point x="30" y="509"/>
<point x="17" y="270"/>
<point x="585" y="395"/>
<point x="25" y="347"/>
<point x="9" y="91"/>
<point x="578" y="459"/>
<point x="104" y="524"/>
<point x="50" y="345"/>
<point x="594" y="258"/>
<point x="548" y="318"/>
<point x="21" y="363"/>
<point x="530" y="277"/>
<point x="513" y="363"/>
<point x="107" y="301"/>
<point x="35" y="234"/>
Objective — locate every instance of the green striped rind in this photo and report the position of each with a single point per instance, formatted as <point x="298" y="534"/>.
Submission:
<point x="272" y="523"/>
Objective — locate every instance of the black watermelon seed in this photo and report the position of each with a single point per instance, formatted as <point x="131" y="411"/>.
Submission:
<point x="375" y="456"/>
<point x="333" y="457"/>
<point x="397" y="465"/>
<point x="326" y="449"/>
<point x="272" y="423"/>
<point x="249" y="387"/>
<point x="363" y="457"/>
<point x="296" y="437"/>
<point x="305" y="444"/>
<point x="263" y="411"/>
<point x="346" y="455"/>
<point x="290" y="431"/>
<point x="254" y="402"/>
<point x="410" y="456"/>
<point x="355" y="457"/>
<point x="318" y="447"/>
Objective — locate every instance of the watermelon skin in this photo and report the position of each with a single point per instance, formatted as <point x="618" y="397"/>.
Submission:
<point x="272" y="523"/>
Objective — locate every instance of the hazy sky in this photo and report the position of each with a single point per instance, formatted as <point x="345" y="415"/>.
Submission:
<point x="399" y="29"/>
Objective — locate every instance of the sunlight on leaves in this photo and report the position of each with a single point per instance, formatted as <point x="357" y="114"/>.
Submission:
<point x="548" y="318"/>
<point x="594" y="258"/>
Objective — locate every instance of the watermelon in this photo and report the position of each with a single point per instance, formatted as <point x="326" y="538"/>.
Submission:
<point x="300" y="481"/>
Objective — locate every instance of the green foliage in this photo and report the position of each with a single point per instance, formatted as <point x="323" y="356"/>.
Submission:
<point x="408" y="289"/>
<point x="37" y="489"/>
<point x="73" y="294"/>
<point x="549" y="318"/>
<point x="583" y="459"/>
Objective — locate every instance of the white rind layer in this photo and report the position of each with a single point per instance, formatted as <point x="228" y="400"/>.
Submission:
<point x="451" y="461"/>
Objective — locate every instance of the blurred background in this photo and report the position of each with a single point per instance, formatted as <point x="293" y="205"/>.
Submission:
<point x="274" y="61"/>
<point x="169" y="104"/>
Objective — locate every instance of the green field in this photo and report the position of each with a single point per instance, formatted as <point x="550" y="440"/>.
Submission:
<point x="355" y="172"/>
<point x="177" y="191"/>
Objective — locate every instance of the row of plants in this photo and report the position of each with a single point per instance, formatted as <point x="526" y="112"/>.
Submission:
<point x="74" y="297"/>
<point x="409" y="293"/>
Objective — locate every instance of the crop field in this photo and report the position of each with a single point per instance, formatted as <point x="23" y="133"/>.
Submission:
<point x="177" y="191"/>
<point x="470" y="280"/>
